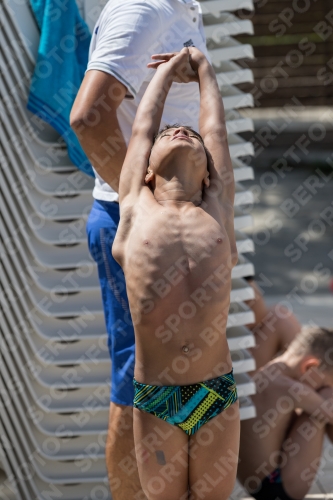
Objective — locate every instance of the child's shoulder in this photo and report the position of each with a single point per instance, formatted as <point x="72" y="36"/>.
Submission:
<point x="272" y="374"/>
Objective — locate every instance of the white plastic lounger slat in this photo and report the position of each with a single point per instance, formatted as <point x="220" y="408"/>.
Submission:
<point x="58" y="448"/>
<point x="233" y="98"/>
<point x="45" y="255"/>
<point x="246" y="408"/>
<point x="229" y="25"/>
<point x="55" y="352"/>
<point x="239" y="314"/>
<point x="91" y="374"/>
<point x="37" y="489"/>
<point x="239" y="147"/>
<point x="54" y="184"/>
<point x="85" y="325"/>
<point x="14" y="51"/>
<point x="244" y="268"/>
<point x="245" y="385"/>
<point x="230" y="49"/>
<point x="79" y="423"/>
<point x="244" y="243"/>
<point x="242" y="220"/>
<point x="242" y="361"/>
<point x="55" y="281"/>
<point x="242" y="172"/>
<point x="7" y="491"/>
<point x="16" y="98"/>
<point x="239" y="125"/>
<point x="68" y="471"/>
<point x="26" y="27"/>
<point x="240" y="337"/>
<point x="51" y="232"/>
<point x="215" y="7"/>
<point x="52" y="157"/>
<point x="58" y="400"/>
<point x="229" y="74"/>
<point x="32" y="127"/>
<point x="8" y="485"/>
<point x="46" y="161"/>
<point x="18" y="73"/>
<point x="22" y="490"/>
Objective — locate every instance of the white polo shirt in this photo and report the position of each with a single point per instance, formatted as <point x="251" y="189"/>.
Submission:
<point x="125" y="36"/>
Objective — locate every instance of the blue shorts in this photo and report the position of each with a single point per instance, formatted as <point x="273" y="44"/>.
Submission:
<point x="102" y="225"/>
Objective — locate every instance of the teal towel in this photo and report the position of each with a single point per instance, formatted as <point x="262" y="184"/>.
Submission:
<point x="61" y="62"/>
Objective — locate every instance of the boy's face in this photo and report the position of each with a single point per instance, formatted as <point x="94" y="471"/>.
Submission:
<point x="184" y="145"/>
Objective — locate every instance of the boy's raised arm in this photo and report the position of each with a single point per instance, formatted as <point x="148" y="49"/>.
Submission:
<point x="147" y="122"/>
<point x="213" y="130"/>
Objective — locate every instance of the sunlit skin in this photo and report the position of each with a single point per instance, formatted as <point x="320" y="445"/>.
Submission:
<point x="177" y="247"/>
<point x="191" y="247"/>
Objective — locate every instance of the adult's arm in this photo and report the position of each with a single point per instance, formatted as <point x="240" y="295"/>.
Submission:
<point x="94" y="121"/>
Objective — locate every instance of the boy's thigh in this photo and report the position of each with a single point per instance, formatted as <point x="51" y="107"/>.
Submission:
<point x="213" y="456"/>
<point x="162" y="457"/>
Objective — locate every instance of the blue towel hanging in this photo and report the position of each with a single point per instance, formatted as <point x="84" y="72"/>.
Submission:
<point x="61" y="62"/>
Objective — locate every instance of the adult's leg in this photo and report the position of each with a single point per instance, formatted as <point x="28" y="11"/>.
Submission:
<point x="162" y="457"/>
<point x="120" y="455"/>
<point x="213" y="456"/>
<point x="101" y="229"/>
<point x="300" y="466"/>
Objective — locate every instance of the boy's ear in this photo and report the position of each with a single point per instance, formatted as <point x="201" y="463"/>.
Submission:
<point x="309" y="363"/>
<point x="150" y="176"/>
<point x="206" y="180"/>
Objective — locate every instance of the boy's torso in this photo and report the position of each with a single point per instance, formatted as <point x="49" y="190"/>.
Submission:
<point x="176" y="261"/>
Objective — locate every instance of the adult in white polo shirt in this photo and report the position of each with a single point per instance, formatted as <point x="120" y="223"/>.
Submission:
<point x="126" y="34"/>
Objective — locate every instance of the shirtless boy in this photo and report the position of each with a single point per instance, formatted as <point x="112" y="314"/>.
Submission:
<point x="280" y="449"/>
<point x="177" y="247"/>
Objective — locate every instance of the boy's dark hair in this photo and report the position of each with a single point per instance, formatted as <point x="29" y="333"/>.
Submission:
<point x="177" y="125"/>
<point x="317" y="341"/>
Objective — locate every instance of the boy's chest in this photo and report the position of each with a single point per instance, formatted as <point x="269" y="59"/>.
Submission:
<point x="164" y="238"/>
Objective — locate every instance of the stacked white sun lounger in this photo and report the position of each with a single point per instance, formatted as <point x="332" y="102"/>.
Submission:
<point x="55" y="366"/>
